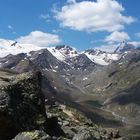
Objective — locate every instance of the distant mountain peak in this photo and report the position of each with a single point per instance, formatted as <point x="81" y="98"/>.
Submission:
<point x="93" y="51"/>
<point x="124" y="46"/>
<point x="66" y="50"/>
<point x="101" y="57"/>
<point x="63" y="47"/>
<point x="62" y="52"/>
<point x="13" y="47"/>
<point x="14" y="44"/>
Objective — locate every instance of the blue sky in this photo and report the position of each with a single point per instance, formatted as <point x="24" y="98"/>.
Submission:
<point x="81" y="24"/>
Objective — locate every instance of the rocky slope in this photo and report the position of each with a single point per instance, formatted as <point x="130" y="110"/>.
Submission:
<point x="25" y="112"/>
<point x="41" y="59"/>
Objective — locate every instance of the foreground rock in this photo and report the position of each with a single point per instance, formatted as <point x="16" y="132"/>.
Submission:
<point x="78" y="127"/>
<point x="21" y="104"/>
<point x="33" y="135"/>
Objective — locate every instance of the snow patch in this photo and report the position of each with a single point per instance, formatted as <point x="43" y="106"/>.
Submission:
<point x="63" y="53"/>
<point x="54" y="70"/>
<point x="85" y="78"/>
<point x="103" y="58"/>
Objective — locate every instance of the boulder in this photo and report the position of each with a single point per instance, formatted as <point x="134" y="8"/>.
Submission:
<point x="33" y="135"/>
<point x="84" y="135"/>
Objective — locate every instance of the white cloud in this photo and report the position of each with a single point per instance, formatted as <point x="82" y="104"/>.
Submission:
<point x="117" y="37"/>
<point x="46" y="17"/>
<point x="90" y="16"/>
<point x="138" y="34"/>
<point x="40" y="38"/>
<point x="71" y="1"/>
<point x="108" y="47"/>
<point x="10" y="27"/>
<point x="112" y="47"/>
<point x="135" y="43"/>
<point x="14" y="32"/>
<point x="56" y="30"/>
<point x="96" y="41"/>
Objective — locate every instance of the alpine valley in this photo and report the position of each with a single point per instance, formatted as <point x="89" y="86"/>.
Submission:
<point x="89" y="95"/>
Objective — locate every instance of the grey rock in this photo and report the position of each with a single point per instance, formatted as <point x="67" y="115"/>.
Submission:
<point x="21" y="104"/>
<point x="84" y="135"/>
<point x="33" y="135"/>
<point x="66" y="123"/>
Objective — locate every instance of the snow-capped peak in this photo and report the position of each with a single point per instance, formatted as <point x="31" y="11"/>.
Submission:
<point x="101" y="57"/>
<point x="67" y="50"/>
<point x="124" y="46"/>
<point x="13" y="47"/>
<point x="63" y="52"/>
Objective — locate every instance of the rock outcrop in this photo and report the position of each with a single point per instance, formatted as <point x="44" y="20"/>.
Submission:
<point x="33" y="135"/>
<point x="21" y="104"/>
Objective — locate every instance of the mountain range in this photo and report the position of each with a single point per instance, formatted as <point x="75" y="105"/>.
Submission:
<point x="64" y="52"/>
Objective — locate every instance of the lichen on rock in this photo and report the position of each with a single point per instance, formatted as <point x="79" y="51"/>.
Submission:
<point x="21" y="104"/>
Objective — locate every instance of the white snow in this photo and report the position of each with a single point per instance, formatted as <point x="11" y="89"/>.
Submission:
<point x="46" y="69"/>
<point x="56" y="53"/>
<point x="12" y="67"/>
<point x="56" y="67"/>
<point x="61" y="54"/>
<point x="103" y="58"/>
<point x="85" y="78"/>
<point x="98" y="59"/>
<point x="54" y="70"/>
<point x="55" y="87"/>
<point x="6" y="48"/>
<point x="6" y="62"/>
